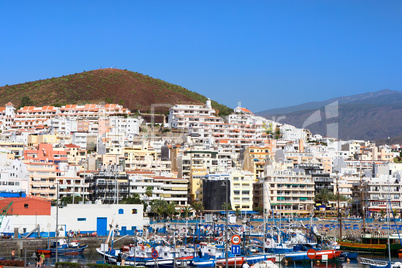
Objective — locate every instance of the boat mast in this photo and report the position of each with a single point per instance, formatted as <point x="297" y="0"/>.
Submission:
<point x="263" y="215"/>
<point x="388" y="216"/>
<point x="57" y="219"/>
<point x="226" y="223"/>
<point x="363" y="203"/>
<point x="339" y="211"/>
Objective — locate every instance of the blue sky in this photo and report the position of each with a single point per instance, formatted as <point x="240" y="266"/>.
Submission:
<point x="266" y="54"/>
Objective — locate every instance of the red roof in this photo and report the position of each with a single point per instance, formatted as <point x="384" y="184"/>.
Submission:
<point x="72" y="146"/>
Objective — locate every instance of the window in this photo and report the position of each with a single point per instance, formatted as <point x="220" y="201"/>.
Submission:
<point x="121" y="211"/>
<point x="134" y="211"/>
<point x="26" y="205"/>
<point x="81" y="219"/>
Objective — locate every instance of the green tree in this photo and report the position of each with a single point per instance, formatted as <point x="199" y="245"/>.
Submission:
<point x="26" y="101"/>
<point x="148" y="191"/>
<point x="198" y="207"/>
<point x="158" y="207"/>
<point x="238" y="211"/>
<point x="382" y="213"/>
<point x="323" y="196"/>
<point x="224" y="206"/>
<point x="133" y="199"/>
<point x="186" y="210"/>
<point x="69" y="199"/>
<point x="170" y="210"/>
<point x="278" y="134"/>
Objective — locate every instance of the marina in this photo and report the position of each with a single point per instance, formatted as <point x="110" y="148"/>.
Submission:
<point x="198" y="245"/>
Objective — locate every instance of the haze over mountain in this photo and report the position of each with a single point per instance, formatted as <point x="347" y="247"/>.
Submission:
<point x="130" y="89"/>
<point x="368" y="116"/>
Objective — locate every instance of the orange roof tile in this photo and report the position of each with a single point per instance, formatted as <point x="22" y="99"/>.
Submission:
<point x="245" y="110"/>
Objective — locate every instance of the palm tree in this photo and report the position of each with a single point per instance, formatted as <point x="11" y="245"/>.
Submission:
<point x="148" y="191"/>
<point x="224" y="206"/>
<point x="323" y="196"/>
<point x="198" y="207"/>
<point x="158" y="207"/>
<point x="170" y="210"/>
<point x="186" y="210"/>
<point x="238" y="211"/>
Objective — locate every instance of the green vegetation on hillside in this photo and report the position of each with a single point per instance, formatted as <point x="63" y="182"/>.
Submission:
<point x="223" y="109"/>
<point x="134" y="90"/>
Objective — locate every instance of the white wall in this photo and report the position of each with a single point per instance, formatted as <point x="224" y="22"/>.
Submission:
<point x="68" y="218"/>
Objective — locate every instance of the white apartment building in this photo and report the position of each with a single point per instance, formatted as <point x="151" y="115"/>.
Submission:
<point x="242" y="189"/>
<point x="70" y="183"/>
<point x="92" y="110"/>
<point x="64" y="125"/>
<point x="287" y="192"/>
<point x="139" y="184"/>
<point x="14" y="175"/>
<point x="174" y="190"/>
<point x="126" y="125"/>
<point x="380" y="190"/>
<point x="185" y="116"/>
<point x="291" y="133"/>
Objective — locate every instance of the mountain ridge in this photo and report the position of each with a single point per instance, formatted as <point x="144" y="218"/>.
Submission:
<point x="368" y="116"/>
<point x="319" y="104"/>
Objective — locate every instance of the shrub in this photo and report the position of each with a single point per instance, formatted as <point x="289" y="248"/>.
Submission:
<point x="12" y="263"/>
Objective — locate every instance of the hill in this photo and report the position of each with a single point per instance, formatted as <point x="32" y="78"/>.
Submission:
<point x="369" y="116"/>
<point x="130" y="89"/>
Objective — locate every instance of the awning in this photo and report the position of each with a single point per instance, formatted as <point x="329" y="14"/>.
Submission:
<point x="224" y="212"/>
<point x="250" y="212"/>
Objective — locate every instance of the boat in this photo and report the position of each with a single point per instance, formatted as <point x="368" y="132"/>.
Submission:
<point x="255" y="258"/>
<point x="233" y="261"/>
<point x="348" y="255"/>
<point x="302" y="255"/>
<point x="169" y="263"/>
<point x="64" y="247"/>
<point x="379" y="263"/>
<point x="203" y="262"/>
<point x="373" y="243"/>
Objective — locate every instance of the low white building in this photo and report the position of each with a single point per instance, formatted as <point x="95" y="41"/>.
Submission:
<point x="87" y="218"/>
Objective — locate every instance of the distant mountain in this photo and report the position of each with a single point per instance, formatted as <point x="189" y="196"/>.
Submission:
<point x="131" y="89"/>
<point x="369" y="116"/>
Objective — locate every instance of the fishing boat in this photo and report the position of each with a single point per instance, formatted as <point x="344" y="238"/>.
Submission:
<point x="302" y="255"/>
<point x="255" y="258"/>
<point x="233" y="261"/>
<point x="203" y="262"/>
<point x="64" y="247"/>
<point x="373" y="243"/>
<point x="143" y="254"/>
<point x="348" y="255"/>
<point x="169" y="263"/>
<point x="379" y="263"/>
